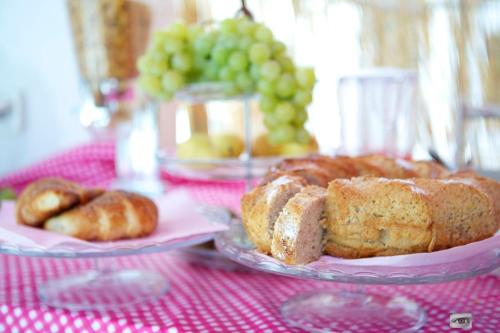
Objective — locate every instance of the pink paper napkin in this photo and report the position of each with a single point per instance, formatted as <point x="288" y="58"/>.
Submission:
<point x="178" y="219"/>
<point x="419" y="259"/>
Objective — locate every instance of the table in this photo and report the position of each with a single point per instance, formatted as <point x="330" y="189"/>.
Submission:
<point x="201" y="299"/>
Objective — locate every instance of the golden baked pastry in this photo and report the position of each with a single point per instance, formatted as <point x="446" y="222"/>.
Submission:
<point x="378" y="216"/>
<point x="48" y="197"/>
<point x="330" y="168"/>
<point x="91" y="214"/>
<point x="316" y="170"/>
<point x="391" y="167"/>
<point x="488" y="185"/>
<point x="113" y="215"/>
<point x="393" y="207"/>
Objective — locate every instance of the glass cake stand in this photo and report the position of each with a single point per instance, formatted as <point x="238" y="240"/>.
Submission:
<point x="103" y="287"/>
<point x="213" y="169"/>
<point x="339" y="311"/>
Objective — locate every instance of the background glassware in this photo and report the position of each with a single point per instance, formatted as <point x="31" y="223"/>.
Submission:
<point x="479" y="140"/>
<point x="459" y="72"/>
<point x="228" y="118"/>
<point x="109" y="36"/>
<point x="365" y="36"/>
<point x="453" y="45"/>
<point x="377" y="112"/>
<point x="222" y="115"/>
<point x="136" y="148"/>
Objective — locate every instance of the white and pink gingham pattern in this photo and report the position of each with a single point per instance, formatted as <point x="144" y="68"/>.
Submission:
<point x="201" y="299"/>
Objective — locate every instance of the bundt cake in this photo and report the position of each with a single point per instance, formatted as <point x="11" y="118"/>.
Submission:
<point x="355" y="207"/>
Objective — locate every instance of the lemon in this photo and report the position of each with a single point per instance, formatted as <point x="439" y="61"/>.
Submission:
<point x="228" y="145"/>
<point x="294" y="149"/>
<point x="198" y="146"/>
<point x="262" y="147"/>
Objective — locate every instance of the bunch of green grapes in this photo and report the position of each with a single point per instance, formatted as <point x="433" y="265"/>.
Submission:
<point x="242" y="54"/>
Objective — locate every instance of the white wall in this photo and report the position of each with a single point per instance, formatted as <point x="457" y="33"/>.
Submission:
<point x="37" y="62"/>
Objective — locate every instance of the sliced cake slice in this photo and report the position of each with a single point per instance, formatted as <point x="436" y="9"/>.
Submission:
<point x="261" y="207"/>
<point x="297" y="237"/>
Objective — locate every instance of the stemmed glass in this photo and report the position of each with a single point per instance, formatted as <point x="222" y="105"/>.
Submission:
<point x="377" y="111"/>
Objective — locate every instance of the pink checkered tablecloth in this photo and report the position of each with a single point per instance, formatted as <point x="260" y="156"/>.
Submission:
<point x="201" y="299"/>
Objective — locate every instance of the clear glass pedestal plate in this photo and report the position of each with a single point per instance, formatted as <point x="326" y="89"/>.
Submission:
<point x="355" y="311"/>
<point x="242" y="167"/>
<point x="102" y="287"/>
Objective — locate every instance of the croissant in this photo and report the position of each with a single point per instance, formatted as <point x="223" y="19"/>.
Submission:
<point x="48" y="197"/>
<point x="113" y="215"/>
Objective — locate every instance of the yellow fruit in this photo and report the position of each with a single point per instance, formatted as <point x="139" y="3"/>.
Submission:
<point x="295" y="149"/>
<point x="198" y="146"/>
<point x="262" y="147"/>
<point x="228" y="145"/>
<point x="313" y="144"/>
